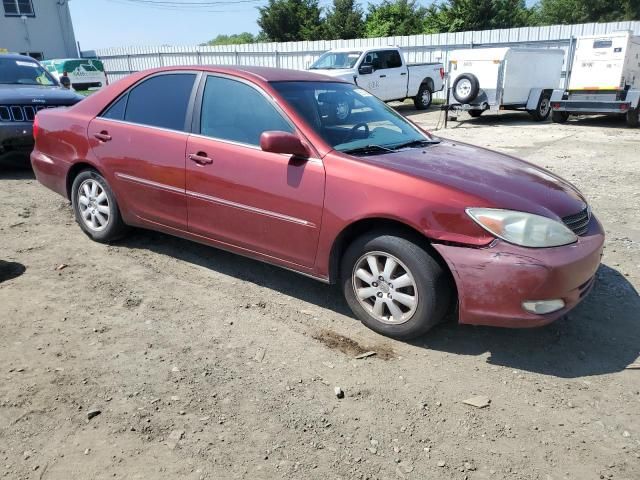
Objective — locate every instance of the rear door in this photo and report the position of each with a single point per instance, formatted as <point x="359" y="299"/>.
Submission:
<point x="256" y="201"/>
<point x="396" y="73"/>
<point x="141" y="139"/>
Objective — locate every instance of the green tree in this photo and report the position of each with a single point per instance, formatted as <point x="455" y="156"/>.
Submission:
<point x="344" y="21"/>
<point x="394" y="17"/>
<point x="549" y="12"/>
<point x="233" y="39"/>
<point x="462" y="15"/>
<point x="291" y="20"/>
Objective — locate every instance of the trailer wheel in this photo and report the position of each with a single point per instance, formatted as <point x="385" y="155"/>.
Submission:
<point x="542" y="111"/>
<point x="559" y="117"/>
<point x="475" y="113"/>
<point x="466" y="88"/>
<point x="633" y="117"/>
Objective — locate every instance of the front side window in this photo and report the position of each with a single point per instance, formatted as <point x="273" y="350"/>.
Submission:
<point x="234" y="111"/>
<point x="349" y="118"/>
<point x="18" y="8"/>
<point x="24" y="72"/>
<point x="161" y="101"/>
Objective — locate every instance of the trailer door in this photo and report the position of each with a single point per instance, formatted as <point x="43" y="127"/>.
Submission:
<point x="598" y="63"/>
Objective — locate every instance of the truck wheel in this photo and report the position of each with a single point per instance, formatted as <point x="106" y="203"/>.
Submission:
<point x="633" y="117"/>
<point x="559" y="117"/>
<point x="475" y="113"/>
<point x="423" y="100"/>
<point x="466" y="88"/>
<point x="394" y="286"/>
<point x="95" y="207"/>
<point x="542" y="111"/>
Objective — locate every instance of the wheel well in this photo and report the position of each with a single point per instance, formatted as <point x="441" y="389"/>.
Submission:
<point x="429" y="83"/>
<point x="73" y="173"/>
<point x="382" y="225"/>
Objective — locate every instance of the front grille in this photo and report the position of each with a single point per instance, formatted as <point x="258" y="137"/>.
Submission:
<point x="578" y="223"/>
<point x="21" y="113"/>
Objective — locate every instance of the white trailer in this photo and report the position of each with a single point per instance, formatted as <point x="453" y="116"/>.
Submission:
<point x="493" y="79"/>
<point x="605" y="79"/>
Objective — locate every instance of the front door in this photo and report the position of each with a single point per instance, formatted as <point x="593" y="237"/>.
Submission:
<point x="141" y="142"/>
<point x="256" y="201"/>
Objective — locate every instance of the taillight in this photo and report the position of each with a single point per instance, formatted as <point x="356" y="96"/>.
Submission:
<point x="625" y="106"/>
<point x="441" y="73"/>
<point x="35" y="127"/>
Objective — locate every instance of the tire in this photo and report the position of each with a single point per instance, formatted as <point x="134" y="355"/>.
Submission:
<point x="422" y="277"/>
<point x="423" y="99"/>
<point x="633" y="117"/>
<point x="543" y="109"/>
<point x="559" y="117"/>
<point x="475" y="113"/>
<point x="466" y="88"/>
<point x="95" y="207"/>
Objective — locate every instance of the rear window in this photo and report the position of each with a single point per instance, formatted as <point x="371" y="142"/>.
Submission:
<point x="602" y="43"/>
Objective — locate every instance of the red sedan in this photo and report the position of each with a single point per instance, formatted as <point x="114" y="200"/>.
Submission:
<point x="318" y="176"/>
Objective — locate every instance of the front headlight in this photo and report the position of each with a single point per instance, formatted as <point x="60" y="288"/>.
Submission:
<point x="522" y="228"/>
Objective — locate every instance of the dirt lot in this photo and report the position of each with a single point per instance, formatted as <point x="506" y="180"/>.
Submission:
<point x="207" y="365"/>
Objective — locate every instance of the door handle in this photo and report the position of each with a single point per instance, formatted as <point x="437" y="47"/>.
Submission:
<point x="403" y="73"/>
<point x="200" y="158"/>
<point x="382" y="76"/>
<point x="103" y="136"/>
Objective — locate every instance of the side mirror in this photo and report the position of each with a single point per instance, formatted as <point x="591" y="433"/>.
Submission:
<point x="283" y="142"/>
<point x="365" y="69"/>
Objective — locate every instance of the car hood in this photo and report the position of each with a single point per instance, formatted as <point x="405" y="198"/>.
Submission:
<point x="494" y="179"/>
<point x="37" y="95"/>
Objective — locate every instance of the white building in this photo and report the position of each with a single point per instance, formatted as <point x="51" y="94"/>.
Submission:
<point x="40" y="28"/>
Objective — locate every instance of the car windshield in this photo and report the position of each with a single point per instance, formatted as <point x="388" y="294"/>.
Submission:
<point x="336" y="60"/>
<point x="24" y="72"/>
<point x="350" y="119"/>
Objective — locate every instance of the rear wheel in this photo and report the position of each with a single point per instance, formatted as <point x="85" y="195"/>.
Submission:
<point x="423" y="100"/>
<point x="95" y="207"/>
<point x="394" y="286"/>
<point x="542" y="111"/>
<point x="559" y="117"/>
<point x="633" y="117"/>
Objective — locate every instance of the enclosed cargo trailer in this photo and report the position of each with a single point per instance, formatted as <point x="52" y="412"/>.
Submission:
<point x="605" y="79"/>
<point x="496" y="79"/>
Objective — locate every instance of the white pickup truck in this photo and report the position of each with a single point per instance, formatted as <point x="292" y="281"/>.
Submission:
<point x="383" y="72"/>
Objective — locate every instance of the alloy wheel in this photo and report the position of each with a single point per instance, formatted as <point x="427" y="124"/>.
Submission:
<point x="385" y="288"/>
<point x="93" y="205"/>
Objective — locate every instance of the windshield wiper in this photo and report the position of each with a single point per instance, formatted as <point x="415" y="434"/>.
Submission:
<point x="415" y="143"/>
<point x="369" y="149"/>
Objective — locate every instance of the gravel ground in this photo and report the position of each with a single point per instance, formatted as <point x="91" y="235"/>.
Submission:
<point x="205" y="365"/>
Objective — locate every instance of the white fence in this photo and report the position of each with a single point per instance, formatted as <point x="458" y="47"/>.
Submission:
<point x="122" y="61"/>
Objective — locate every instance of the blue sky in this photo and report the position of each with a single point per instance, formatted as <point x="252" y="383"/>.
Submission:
<point x="119" y="23"/>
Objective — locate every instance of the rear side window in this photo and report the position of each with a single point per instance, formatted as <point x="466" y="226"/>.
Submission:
<point x="160" y="101"/>
<point x="234" y="111"/>
<point x="116" y="110"/>
<point x="393" y="59"/>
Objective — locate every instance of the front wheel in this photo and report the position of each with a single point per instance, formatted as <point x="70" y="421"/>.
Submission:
<point x="559" y="117"/>
<point x="633" y="117"/>
<point x="394" y="286"/>
<point x="423" y="99"/>
<point x="95" y="207"/>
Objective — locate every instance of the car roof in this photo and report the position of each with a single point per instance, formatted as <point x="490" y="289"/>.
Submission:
<point x="15" y="56"/>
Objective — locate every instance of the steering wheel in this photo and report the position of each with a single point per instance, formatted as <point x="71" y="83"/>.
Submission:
<point x="354" y="129"/>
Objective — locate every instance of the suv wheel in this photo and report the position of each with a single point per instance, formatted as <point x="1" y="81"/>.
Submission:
<point x="394" y="286"/>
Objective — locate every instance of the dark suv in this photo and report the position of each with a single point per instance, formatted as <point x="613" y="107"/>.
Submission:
<point x="25" y="88"/>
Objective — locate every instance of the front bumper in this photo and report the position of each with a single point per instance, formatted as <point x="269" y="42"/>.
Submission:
<point x="16" y="142"/>
<point x="493" y="282"/>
